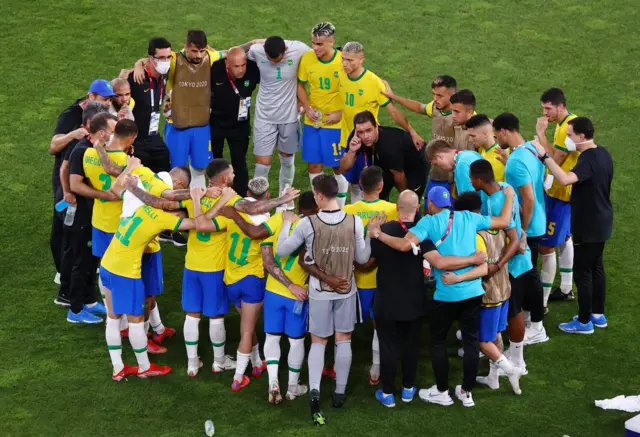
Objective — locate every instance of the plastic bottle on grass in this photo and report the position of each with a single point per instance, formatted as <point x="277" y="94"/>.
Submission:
<point x="209" y="429"/>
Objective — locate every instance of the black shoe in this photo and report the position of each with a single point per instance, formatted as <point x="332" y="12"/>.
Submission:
<point x="62" y="301"/>
<point x="166" y="237"/>
<point x="557" y="295"/>
<point x="178" y="239"/>
<point x="338" y="400"/>
<point x="317" y="415"/>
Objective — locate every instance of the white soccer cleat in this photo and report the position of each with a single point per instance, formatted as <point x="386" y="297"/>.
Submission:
<point x="274" y="393"/>
<point x="533" y="336"/>
<point x="228" y="364"/>
<point x="465" y="397"/>
<point x="296" y="391"/>
<point x="193" y="366"/>
<point x="433" y="396"/>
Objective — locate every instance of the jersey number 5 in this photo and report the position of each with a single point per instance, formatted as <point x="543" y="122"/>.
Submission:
<point x="246" y="243"/>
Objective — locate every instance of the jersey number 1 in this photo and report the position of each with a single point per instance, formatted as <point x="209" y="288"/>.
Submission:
<point x="246" y="243"/>
<point x="279" y="76"/>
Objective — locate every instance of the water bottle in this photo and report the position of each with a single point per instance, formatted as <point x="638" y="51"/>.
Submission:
<point x="318" y="123"/>
<point x="209" y="428"/>
<point x="70" y="215"/>
<point x="297" y="307"/>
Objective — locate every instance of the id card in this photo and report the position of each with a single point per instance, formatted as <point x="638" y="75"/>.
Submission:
<point x="243" y="109"/>
<point x="154" y="122"/>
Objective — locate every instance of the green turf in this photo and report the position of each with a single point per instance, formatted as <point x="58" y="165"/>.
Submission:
<point x="54" y="378"/>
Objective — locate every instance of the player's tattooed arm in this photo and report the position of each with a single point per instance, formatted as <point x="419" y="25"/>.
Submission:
<point x="131" y="184"/>
<point x="266" y="205"/>
<point x="252" y="231"/>
<point x="185" y="194"/>
<point x="110" y="167"/>
<point x="118" y="185"/>
<point x="272" y="266"/>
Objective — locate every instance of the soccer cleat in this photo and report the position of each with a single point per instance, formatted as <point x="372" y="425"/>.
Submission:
<point x="228" y="364"/>
<point x="62" y="301"/>
<point x="296" y="391"/>
<point x="166" y="237"/>
<point x="388" y="401"/>
<point x="434" y="396"/>
<point x="598" y="322"/>
<point x="374" y="379"/>
<point x="338" y="400"/>
<point x="237" y="386"/>
<point x="167" y="333"/>
<point x="557" y="295"/>
<point x="317" y="415"/>
<point x="533" y="336"/>
<point x="127" y="370"/>
<point x="56" y="278"/>
<point x="124" y="333"/>
<point x="154" y="370"/>
<point x="193" y="366"/>
<point x="329" y="372"/>
<point x="256" y="372"/>
<point x="155" y="349"/>
<point x="83" y="317"/>
<point x="459" y="335"/>
<point x="575" y="327"/>
<point x="274" y="393"/>
<point x="465" y="397"/>
<point x="98" y="308"/>
<point x="408" y="394"/>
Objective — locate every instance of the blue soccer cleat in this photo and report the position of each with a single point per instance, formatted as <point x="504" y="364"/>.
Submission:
<point x="98" y="308"/>
<point x="409" y="393"/>
<point x="83" y="317"/>
<point x="386" y="400"/>
<point x="598" y="322"/>
<point x="575" y="327"/>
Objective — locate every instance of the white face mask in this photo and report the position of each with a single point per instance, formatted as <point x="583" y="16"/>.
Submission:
<point x="163" y="67"/>
<point x="571" y="145"/>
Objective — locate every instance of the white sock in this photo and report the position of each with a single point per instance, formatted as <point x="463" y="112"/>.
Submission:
<point x="375" y="349"/>
<point x="504" y="364"/>
<point x="262" y="170"/>
<point x="316" y="364"/>
<point x="295" y="359"/>
<point x="537" y="326"/>
<point x="565" y="259"/>
<point x="242" y="361"/>
<point x="197" y="177"/>
<point x="548" y="274"/>
<point x="218" y="336"/>
<point x="256" y="361"/>
<point x="491" y="379"/>
<point x="102" y="289"/>
<point x="272" y="356"/>
<point x="124" y="323"/>
<point x="138" y="340"/>
<point x="156" y="321"/>
<point x="312" y="176"/>
<point x="344" y="357"/>
<point x="114" y="344"/>
<point x="287" y="171"/>
<point x="356" y="193"/>
<point x="516" y="353"/>
<point x="191" y="335"/>
<point x="343" y="187"/>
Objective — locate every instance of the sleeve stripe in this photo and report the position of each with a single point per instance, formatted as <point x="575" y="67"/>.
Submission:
<point x="236" y="202"/>
<point x="268" y="228"/>
<point x="302" y="81"/>
<point x="266" y="243"/>
<point x="215" y="222"/>
<point x="562" y="148"/>
<point x="178" y="224"/>
<point x="386" y="103"/>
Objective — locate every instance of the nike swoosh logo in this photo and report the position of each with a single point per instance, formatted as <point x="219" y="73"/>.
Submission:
<point x="312" y="72"/>
<point x="218" y="83"/>
<point x="263" y="62"/>
<point x="147" y="90"/>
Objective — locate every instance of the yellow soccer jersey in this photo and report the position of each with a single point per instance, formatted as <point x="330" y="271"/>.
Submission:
<point x="106" y="214"/>
<point x="357" y="95"/>
<point x="206" y="250"/>
<point x="288" y="264"/>
<point x="323" y="78"/>
<point x="557" y="190"/>
<point x="124" y="255"/>
<point x="491" y="154"/>
<point x="366" y="209"/>
<point x="151" y="181"/>
<point x="244" y="256"/>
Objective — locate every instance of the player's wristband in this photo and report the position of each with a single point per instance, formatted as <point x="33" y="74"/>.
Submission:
<point x="544" y="157"/>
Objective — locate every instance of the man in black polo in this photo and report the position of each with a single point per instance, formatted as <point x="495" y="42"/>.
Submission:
<point x="389" y="148"/>
<point x="149" y="146"/>
<point x="233" y="81"/>
<point x="68" y="131"/>
<point x="591" y="220"/>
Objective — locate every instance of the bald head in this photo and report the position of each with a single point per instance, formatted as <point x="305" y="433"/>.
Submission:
<point x="123" y="91"/>
<point x="236" y="62"/>
<point x="408" y="202"/>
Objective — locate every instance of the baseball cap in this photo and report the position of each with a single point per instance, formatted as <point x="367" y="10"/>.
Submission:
<point x="440" y="197"/>
<point x="102" y="87"/>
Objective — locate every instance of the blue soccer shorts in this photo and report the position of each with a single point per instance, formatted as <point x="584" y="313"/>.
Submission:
<point x="249" y="289"/>
<point x="366" y="302"/>
<point x="204" y="292"/>
<point x="191" y="145"/>
<point x="127" y="294"/>
<point x="100" y="240"/>
<point x="279" y="317"/>
<point x="558" y="222"/>
<point x="493" y="320"/>
<point x="321" y="146"/>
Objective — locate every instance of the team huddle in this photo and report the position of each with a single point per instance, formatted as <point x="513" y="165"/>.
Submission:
<point x="493" y="204"/>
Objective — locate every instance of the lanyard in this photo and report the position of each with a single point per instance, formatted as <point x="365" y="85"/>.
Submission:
<point x="536" y="154"/>
<point x="151" y="91"/>
<point x="233" y="85"/>
<point x="406" y="229"/>
<point x="446" y="233"/>
<point x="373" y="156"/>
